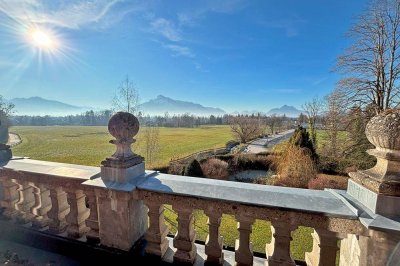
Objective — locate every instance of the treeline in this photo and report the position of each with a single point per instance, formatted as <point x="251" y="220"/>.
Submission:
<point x="100" y="118"/>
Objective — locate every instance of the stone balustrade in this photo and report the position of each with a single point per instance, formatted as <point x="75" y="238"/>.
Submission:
<point x="54" y="197"/>
<point x="120" y="205"/>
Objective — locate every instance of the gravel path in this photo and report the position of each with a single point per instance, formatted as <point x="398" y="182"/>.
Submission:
<point x="265" y="144"/>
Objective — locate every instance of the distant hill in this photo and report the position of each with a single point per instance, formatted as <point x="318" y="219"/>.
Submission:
<point x="162" y="104"/>
<point x="40" y="106"/>
<point x="289" y="111"/>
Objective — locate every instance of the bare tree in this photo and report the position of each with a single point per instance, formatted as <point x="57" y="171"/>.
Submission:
<point x="245" y="128"/>
<point x="313" y="110"/>
<point x="371" y="65"/>
<point x="151" y="137"/>
<point x="127" y="97"/>
<point x="274" y="122"/>
<point x="334" y="115"/>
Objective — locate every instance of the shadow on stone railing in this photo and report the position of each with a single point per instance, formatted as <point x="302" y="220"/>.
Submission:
<point x="120" y="203"/>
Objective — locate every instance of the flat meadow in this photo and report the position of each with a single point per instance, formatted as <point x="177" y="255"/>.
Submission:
<point x="89" y="145"/>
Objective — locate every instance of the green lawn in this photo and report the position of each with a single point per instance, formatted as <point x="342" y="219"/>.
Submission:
<point x="89" y="146"/>
<point x="323" y="138"/>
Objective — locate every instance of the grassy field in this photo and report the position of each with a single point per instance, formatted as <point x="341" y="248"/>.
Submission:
<point x="89" y="146"/>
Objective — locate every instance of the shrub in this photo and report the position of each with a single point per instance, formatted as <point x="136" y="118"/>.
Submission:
<point x="295" y="167"/>
<point x="301" y="138"/>
<point x="215" y="168"/>
<point x="342" y="166"/>
<point x="193" y="168"/>
<point x="323" y="181"/>
<point x="176" y="169"/>
<point x="250" y="162"/>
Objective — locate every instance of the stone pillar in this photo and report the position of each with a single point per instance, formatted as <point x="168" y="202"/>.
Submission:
<point x="92" y="222"/>
<point x="76" y="218"/>
<point x="243" y="246"/>
<point x="10" y="197"/>
<point x="378" y="188"/>
<point x="59" y="210"/>
<point x="278" y="250"/>
<point x="42" y="206"/>
<point x="184" y="239"/>
<point x="350" y="253"/>
<point x="156" y="235"/>
<point x="26" y="201"/>
<point x="214" y="241"/>
<point x="325" y="247"/>
<point x="122" y="218"/>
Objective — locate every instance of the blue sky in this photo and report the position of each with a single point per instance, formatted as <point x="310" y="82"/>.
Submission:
<point x="236" y="55"/>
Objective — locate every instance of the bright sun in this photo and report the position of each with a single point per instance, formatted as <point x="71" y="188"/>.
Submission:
<point x="42" y="39"/>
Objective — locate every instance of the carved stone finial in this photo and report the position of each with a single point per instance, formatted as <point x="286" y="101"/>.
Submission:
<point x="123" y="126"/>
<point x="383" y="131"/>
<point x="5" y="151"/>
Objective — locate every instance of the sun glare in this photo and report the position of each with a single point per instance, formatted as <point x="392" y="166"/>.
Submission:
<point x="42" y="39"/>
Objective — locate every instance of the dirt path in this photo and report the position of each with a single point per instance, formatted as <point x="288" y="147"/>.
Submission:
<point x="13" y="139"/>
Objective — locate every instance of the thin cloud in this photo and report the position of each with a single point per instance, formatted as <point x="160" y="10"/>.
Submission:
<point x="166" y="28"/>
<point x="70" y="14"/>
<point x="179" y="50"/>
<point x="191" y="17"/>
<point x="289" y="25"/>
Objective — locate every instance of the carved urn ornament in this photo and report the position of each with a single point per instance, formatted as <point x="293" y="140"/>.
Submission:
<point x="383" y="131"/>
<point x="123" y="127"/>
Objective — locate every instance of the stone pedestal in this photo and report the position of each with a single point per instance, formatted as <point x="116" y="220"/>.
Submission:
<point x="122" y="219"/>
<point x="5" y="153"/>
<point x="378" y="189"/>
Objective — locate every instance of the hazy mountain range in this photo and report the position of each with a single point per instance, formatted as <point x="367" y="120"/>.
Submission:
<point x="162" y="104"/>
<point x="289" y="111"/>
<point x="158" y="106"/>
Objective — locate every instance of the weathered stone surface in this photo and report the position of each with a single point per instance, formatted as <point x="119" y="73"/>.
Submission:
<point x="243" y="246"/>
<point x="42" y="205"/>
<point x="185" y="236"/>
<point x="378" y="203"/>
<point x="383" y="130"/>
<point x="123" y="126"/>
<point x="59" y="210"/>
<point x="278" y="250"/>
<point x="214" y="242"/>
<point x="92" y="222"/>
<point x="122" y="220"/>
<point x="350" y="251"/>
<point x="78" y="213"/>
<point x="156" y="235"/>
<point x="325" y="247"/>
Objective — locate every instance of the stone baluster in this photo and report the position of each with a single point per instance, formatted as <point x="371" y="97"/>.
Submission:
<point x="78" y="213"/>
<point x="26" y="201"/>
<point x="42" y="206"/>
<point x="325" y="247"/>
<point x="93" y="220"/>
<point x="10" y="197"/>
<point x="214" y="241"/>
<point x="156" y="234"/>
<point x="243" y="246"/>
<point x="278" y="251"/>
<point x="59" y="209"/>
<point x="185" y="237"/>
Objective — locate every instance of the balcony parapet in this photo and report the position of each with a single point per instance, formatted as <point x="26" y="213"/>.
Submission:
<point x="120" y="204"/>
